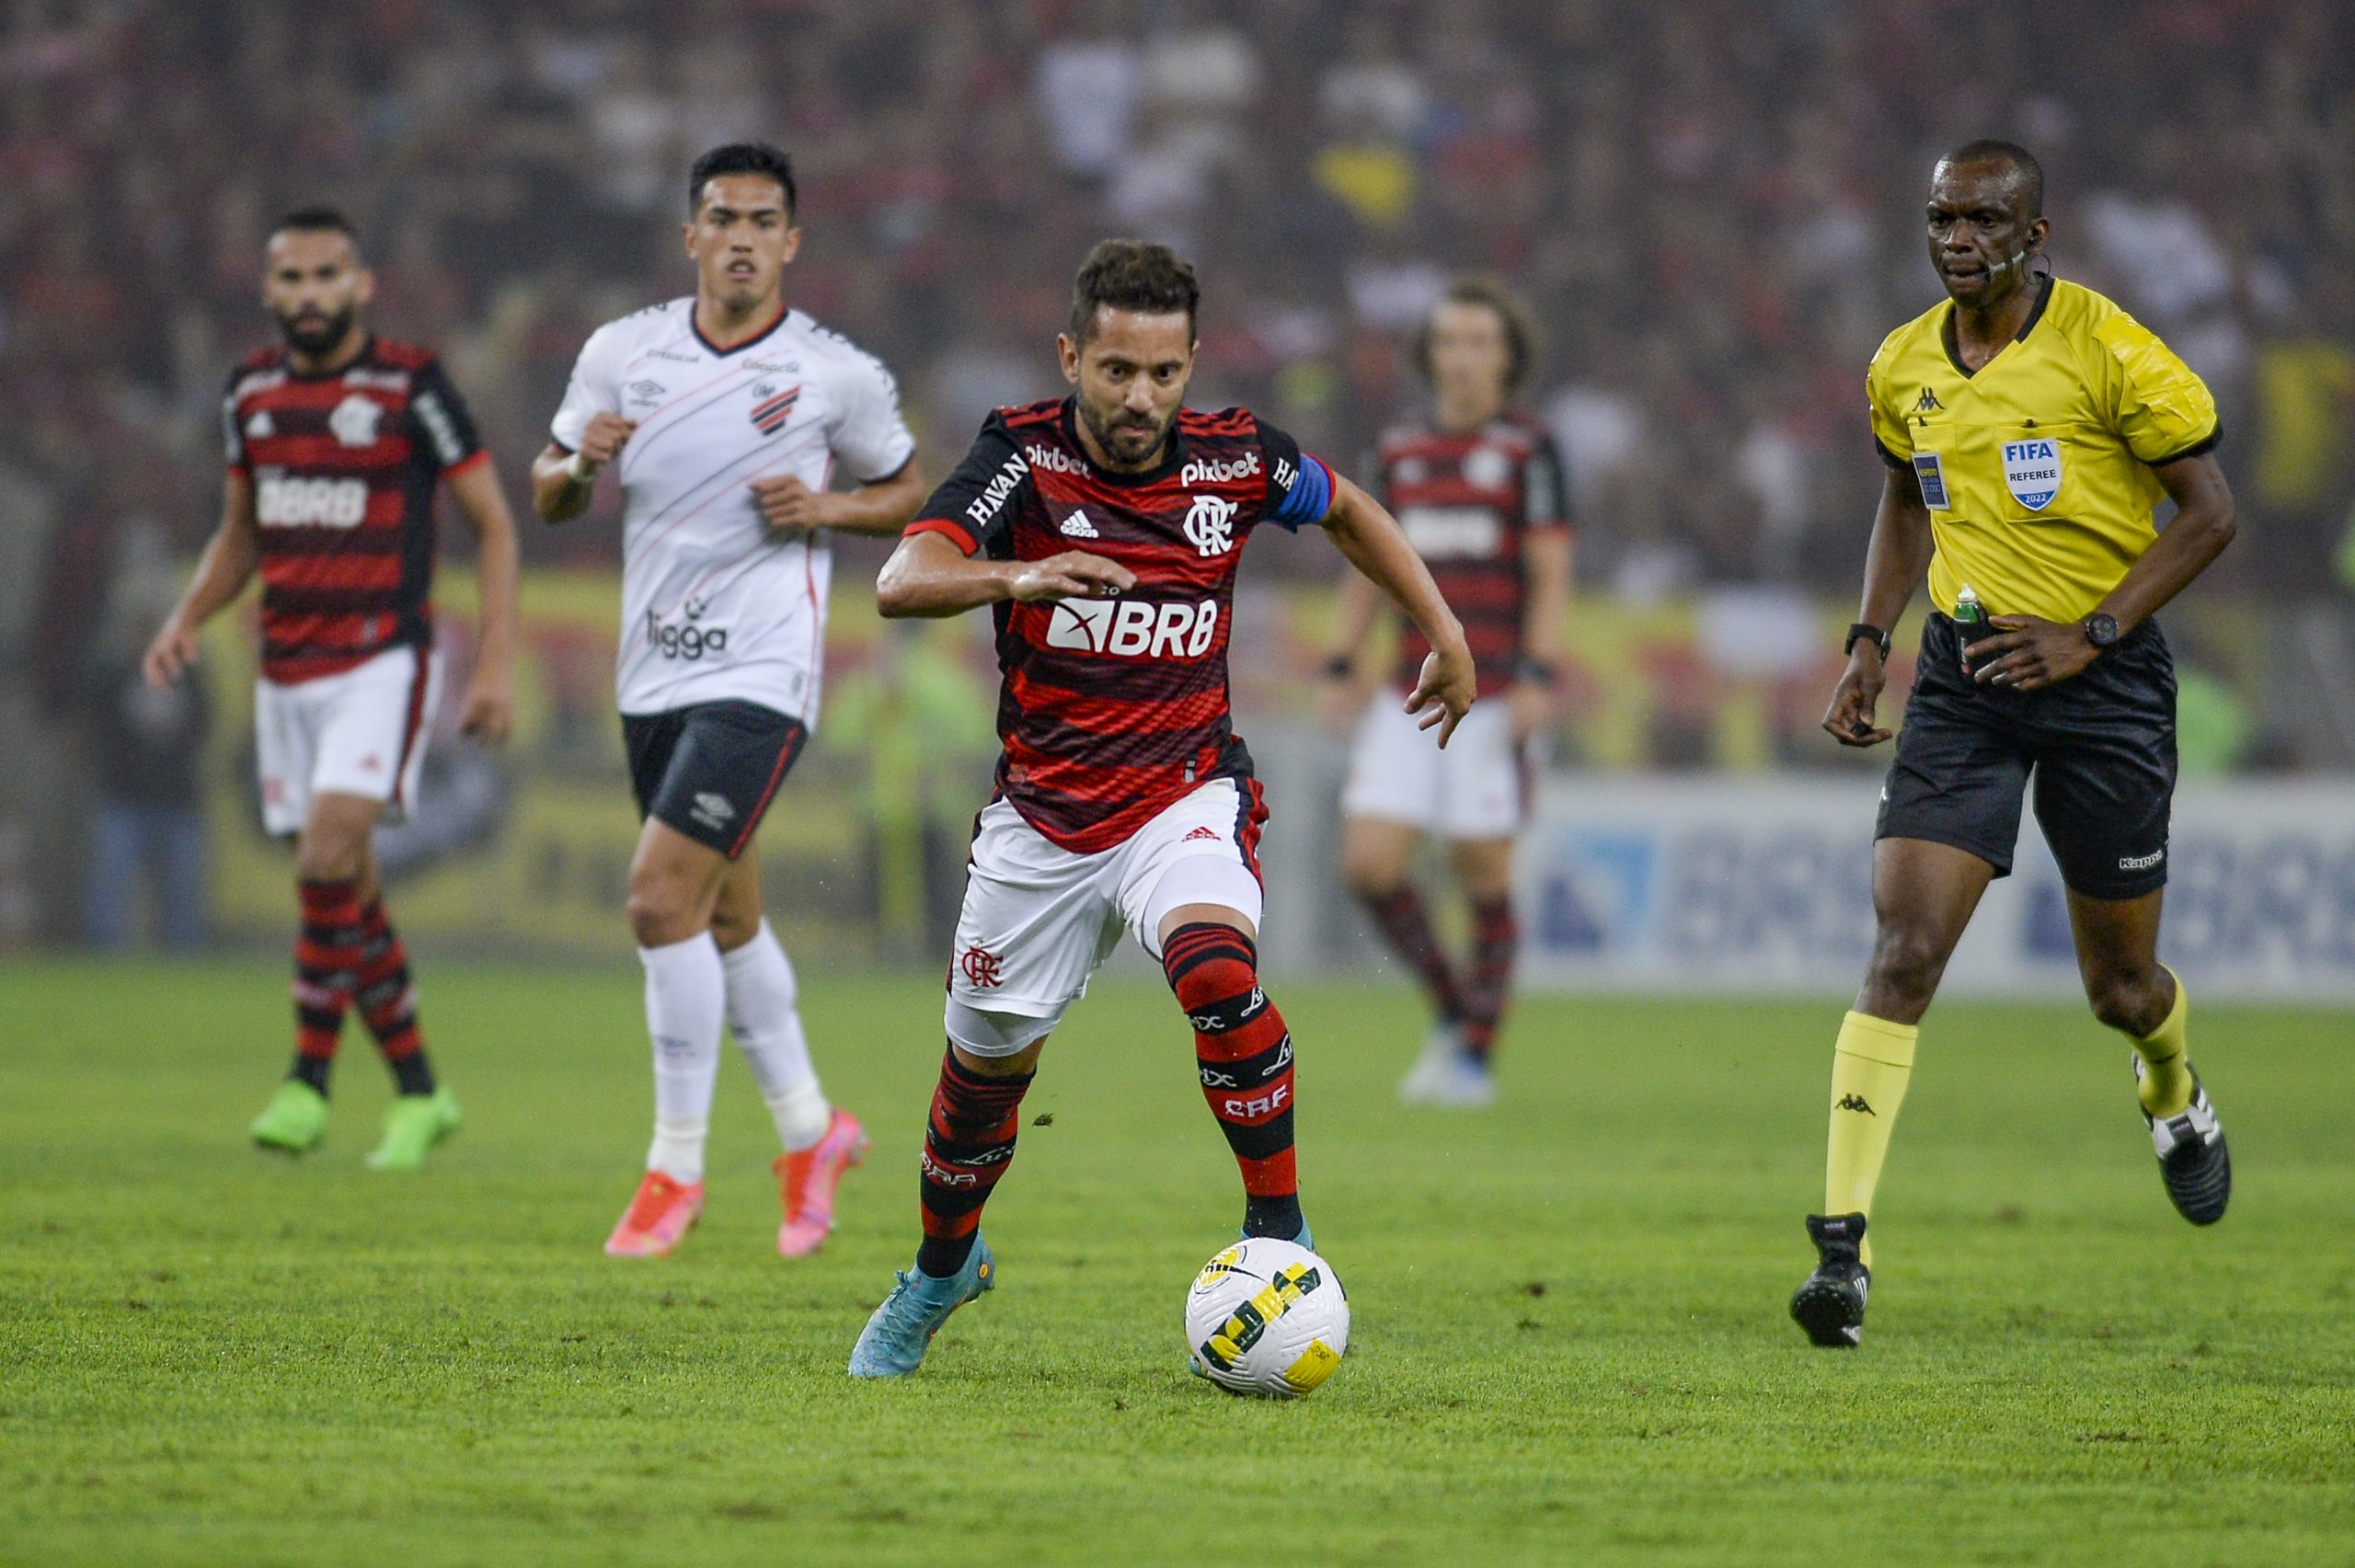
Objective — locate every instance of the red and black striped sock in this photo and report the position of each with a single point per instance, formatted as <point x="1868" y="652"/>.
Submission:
<point x="968" y="1144"/>
<point x="326" y="959"/>
<point x="388" y="1000"/>
<point x="1496" y="937"/>
<point x="1398" y="915"/>
<point x="1245" y="1055"/>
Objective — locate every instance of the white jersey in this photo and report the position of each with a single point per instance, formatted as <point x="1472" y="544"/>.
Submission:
<point x="714" y="605"/>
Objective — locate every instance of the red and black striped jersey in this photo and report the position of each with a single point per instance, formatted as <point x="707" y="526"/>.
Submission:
<point x="1113" y="709"/>
<point x="343" y="468"/>
<point x="1469" y="500"/>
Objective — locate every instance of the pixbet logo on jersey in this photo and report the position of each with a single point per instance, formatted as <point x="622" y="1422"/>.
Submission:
<point x="1132" y="628"/>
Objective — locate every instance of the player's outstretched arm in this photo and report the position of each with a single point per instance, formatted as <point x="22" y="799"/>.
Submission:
<point x="1894" y="561"/>
<point x="1371" y="538"/>
<point x="489" y="712"/>
<point x="883" y="506"/>
<point x="930" y="576"/>
<point x="563" y="481"/>
<point x="2030" y="652"/>
<point x="229" y="559"/>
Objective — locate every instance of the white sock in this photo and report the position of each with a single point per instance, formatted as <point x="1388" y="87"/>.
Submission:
<point x="760" y="1013"/>
<point x="685" y="986"/>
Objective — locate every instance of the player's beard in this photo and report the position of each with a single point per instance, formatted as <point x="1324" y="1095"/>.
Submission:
<point x="1128" y="425"/>
<point x="316" y="333"/>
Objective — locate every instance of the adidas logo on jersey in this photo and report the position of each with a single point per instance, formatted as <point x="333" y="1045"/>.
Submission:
<point x="261" y="427"/>
<point x="1199" y="833"/>
<point x="1077" y="526"/>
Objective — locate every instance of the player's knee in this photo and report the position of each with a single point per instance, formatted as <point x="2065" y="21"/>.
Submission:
<point x="996" y="1044"/>
<point x="324" y="854"/>
<point x="662" y="910"/>
<point x="1906" y="963"/>
<point x="2131" y="1001"/>
<point x="732" y="927"/>
<point x="1210" y="966"/>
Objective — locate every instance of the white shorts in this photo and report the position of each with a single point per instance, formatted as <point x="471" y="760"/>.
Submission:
<point x="361" y="733"/>
<point x="1038" y="920"/>
<point x="1477" y="788"/>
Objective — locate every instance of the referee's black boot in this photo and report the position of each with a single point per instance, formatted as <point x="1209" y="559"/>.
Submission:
<point x="2193" y="1161"/>
<point x="1831" y="1304"/>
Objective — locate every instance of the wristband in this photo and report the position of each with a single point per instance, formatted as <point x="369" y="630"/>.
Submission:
<point x="582" y="472"/>
<point x="1880" y="639"/>
<point x="1340" y="667"/>
<point x="1532" y="670"/>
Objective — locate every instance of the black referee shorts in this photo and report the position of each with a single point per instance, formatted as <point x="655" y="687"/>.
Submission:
<point x="711" y="769"/>
<point x="2100" y="746"/>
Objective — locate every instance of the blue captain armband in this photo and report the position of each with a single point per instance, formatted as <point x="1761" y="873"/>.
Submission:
<point x="1307" y="492"/>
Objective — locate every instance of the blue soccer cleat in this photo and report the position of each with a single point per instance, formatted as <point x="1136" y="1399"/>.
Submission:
<point x="894" y="1342"/>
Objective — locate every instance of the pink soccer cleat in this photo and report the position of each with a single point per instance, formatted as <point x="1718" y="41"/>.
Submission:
<point x="661" y="1213"/>
<point x="806" y="1180"/>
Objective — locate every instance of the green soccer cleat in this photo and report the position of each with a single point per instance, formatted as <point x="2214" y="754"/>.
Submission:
<point x="413" y="1124"/>
<point x="294" y="1120"/>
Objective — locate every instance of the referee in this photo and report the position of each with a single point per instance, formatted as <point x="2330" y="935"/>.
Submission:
<point x="2030" y="426"/>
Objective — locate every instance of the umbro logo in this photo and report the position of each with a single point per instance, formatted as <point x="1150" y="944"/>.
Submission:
<point x="715" y="807"/>
<point x="1855" y="1103"/>
<point x="1077" y="526"/>
<point x="1927" y="401"/>
<point x="647" y="390"/>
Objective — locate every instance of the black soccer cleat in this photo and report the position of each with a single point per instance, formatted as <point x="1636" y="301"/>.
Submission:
<point x="1830" y="1303"/>
<point x="2193" y="1161"/>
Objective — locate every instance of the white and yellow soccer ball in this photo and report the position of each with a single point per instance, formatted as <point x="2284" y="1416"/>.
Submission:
<point x="1267" y="1318"/>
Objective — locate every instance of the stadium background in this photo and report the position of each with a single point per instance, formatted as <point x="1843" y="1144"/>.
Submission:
<point x="1712" y="206"/>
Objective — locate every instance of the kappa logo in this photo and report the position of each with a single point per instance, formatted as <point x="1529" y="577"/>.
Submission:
<point x="1855" y="1102"/>
<point x="2140" y="862"/>
<point x="1928" y="403"/>
<point x="261" y="427"/>
<point x="1210" y="523"/>
<point x="1077" y="526"/>
<point x="1132" y="628"/>
<point x="355" y="419"/>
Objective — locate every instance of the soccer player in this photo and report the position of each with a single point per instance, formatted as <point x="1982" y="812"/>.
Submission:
<point x="724" y="416"/>
<point x="335" y="443"/>
<point x="1104" y="531"/>
<point x="1477" y="485"/>
<point x="2030" y="426"/>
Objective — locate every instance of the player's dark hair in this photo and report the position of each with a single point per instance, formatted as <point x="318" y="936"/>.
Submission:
<point x="2018" y="159"/>
<point x="317" y="221"/>
<point x="1132" y="274"/>
<point x="1519" y="322"/>
<point x="741" y="157"/>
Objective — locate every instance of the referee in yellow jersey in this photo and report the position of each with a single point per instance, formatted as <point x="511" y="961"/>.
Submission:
<point x="2031" y="427"/>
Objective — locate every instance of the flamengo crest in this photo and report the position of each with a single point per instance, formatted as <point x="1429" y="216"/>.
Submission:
<point x="1210" y="524"/>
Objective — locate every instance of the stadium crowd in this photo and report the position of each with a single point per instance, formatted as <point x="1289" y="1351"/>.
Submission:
<point x="1712" y="204"/>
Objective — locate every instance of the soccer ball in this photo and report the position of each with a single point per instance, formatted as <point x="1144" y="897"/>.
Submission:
<point x="1267" y="1318"/>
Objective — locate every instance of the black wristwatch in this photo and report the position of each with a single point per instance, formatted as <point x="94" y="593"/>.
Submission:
<point x="1881" y="638"/>
<point x="2101" y="628"/>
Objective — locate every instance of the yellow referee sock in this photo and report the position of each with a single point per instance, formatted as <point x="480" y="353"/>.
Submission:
<point x="1869" y="1067"/>
<point x="2166" y="1076"/>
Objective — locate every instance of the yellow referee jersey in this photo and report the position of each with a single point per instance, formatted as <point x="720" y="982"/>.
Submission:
<point x="2036" y="470"/>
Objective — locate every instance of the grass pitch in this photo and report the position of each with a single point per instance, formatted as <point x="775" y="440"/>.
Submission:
<point x="1569" y="1340"/>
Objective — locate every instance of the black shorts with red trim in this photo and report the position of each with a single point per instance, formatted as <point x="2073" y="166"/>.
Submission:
<point x="711" y="769"/>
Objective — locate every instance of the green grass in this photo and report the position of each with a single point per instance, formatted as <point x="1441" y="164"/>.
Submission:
<point x="1570" y="1339"/>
